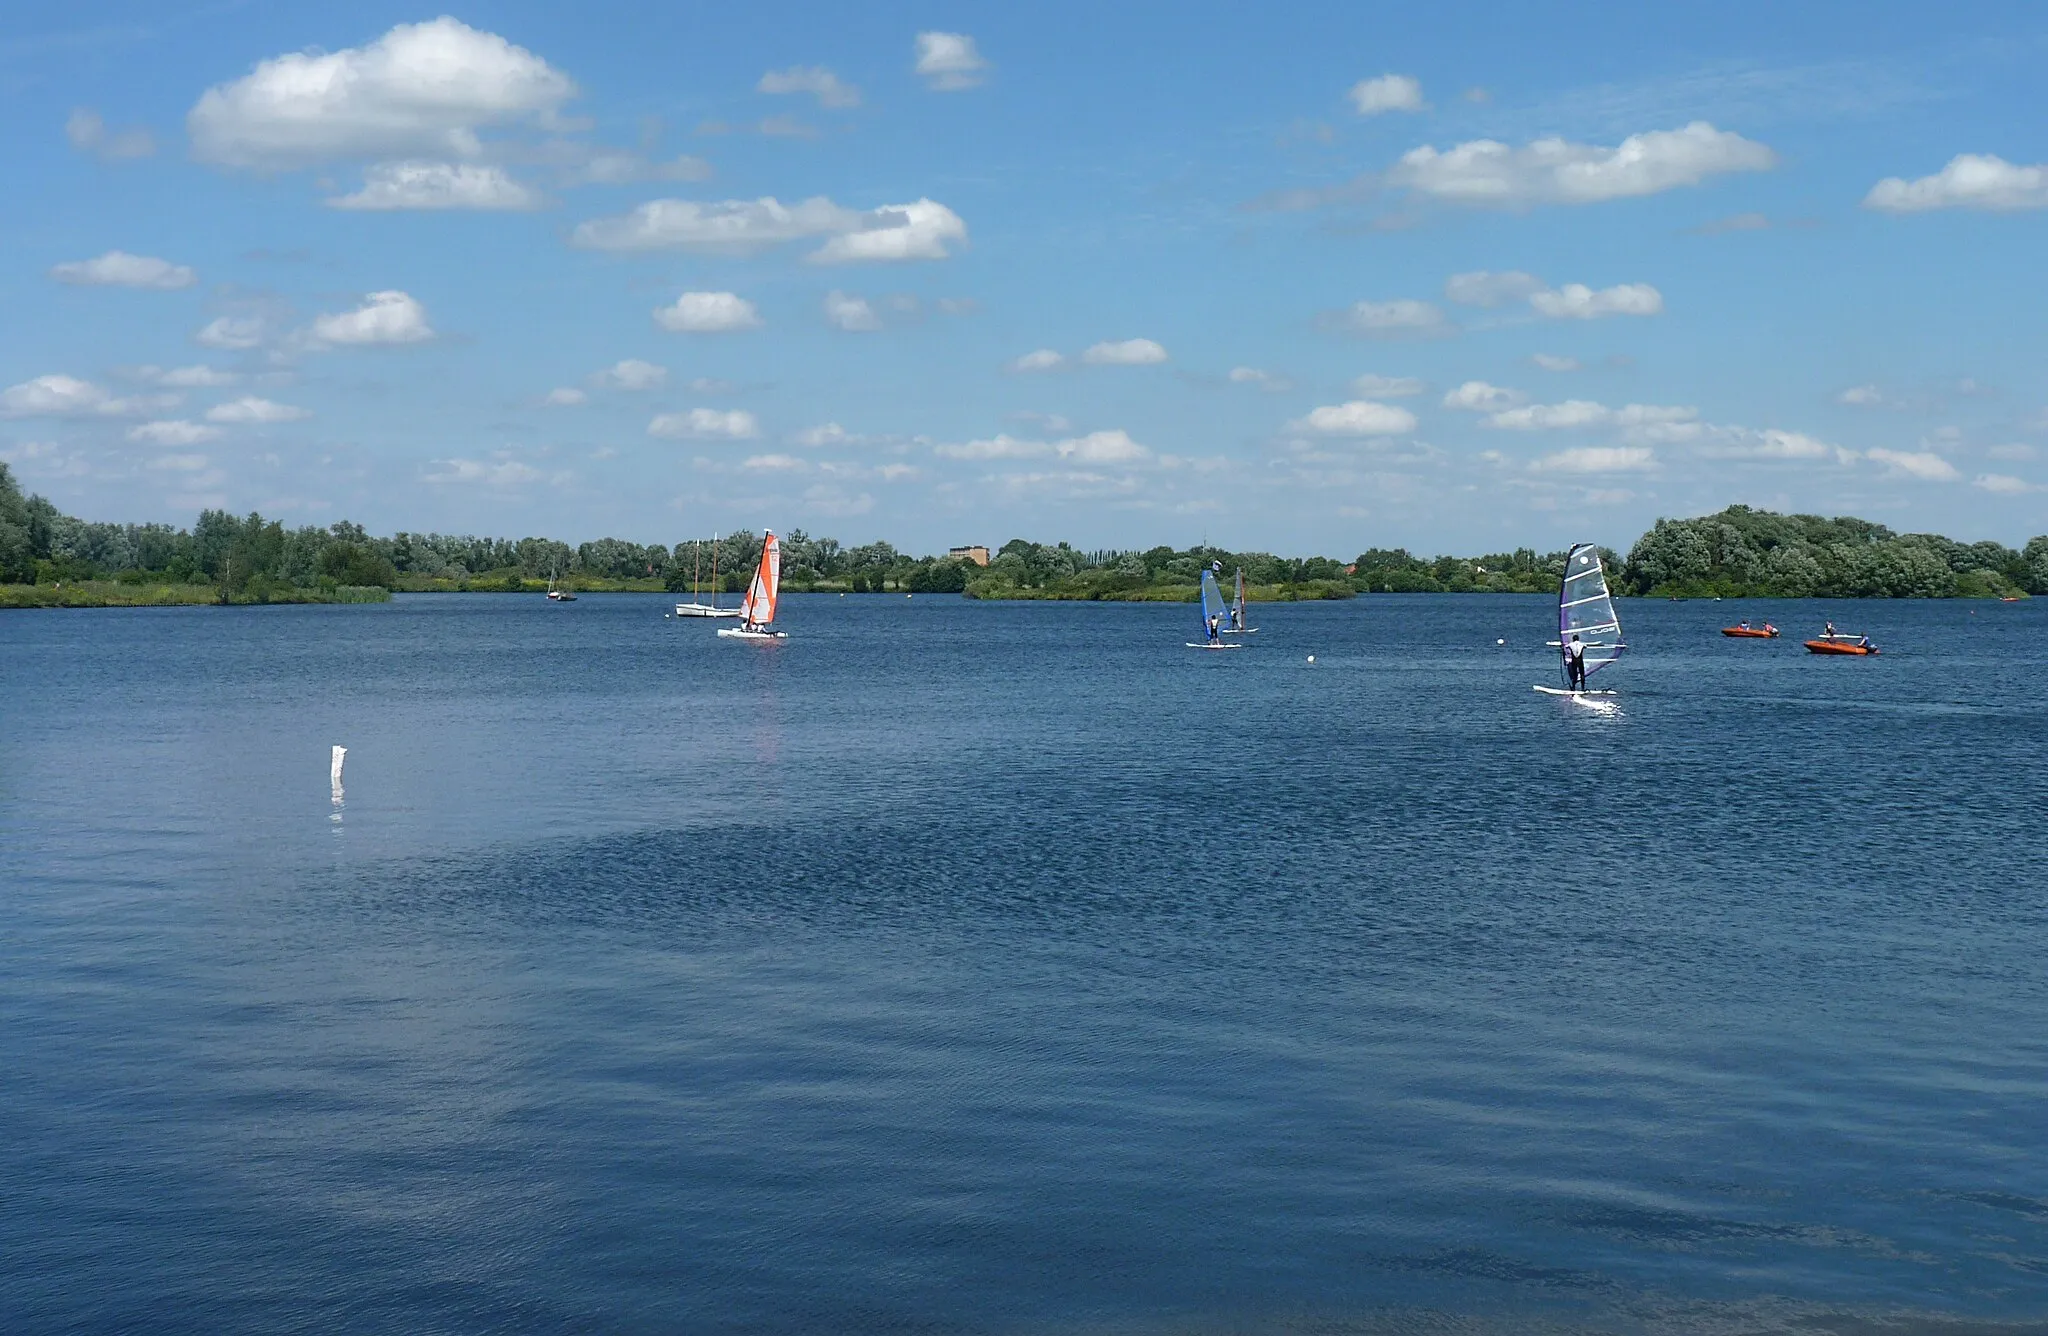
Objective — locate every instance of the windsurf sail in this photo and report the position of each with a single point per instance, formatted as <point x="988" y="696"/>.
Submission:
<point x="1212" y="602"/>
<point x="1585" y="609"/>
<point x="1237" y="604"/>
<point x="759" y="608"/>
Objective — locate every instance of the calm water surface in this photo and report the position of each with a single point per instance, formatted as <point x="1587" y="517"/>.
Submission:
<point x="1010" y="968"/>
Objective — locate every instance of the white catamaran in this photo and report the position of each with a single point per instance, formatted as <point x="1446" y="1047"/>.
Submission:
<point x="1214" y="614"/>
<point x="711" y="609"/>
<point x="759" y="608"/>
<point x="1586" y="624"/>
<point x="1235" y="625"/>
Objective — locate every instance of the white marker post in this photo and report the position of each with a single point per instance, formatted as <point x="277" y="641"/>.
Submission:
<point x="334" y="773"/>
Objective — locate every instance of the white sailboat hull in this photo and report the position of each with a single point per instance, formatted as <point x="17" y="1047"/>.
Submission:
<point x="748" y="633"/>
<point x="704" y="610"/>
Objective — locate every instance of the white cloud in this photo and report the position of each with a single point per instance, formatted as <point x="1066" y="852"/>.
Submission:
<point x="1484" y="287"/>
<point x="1553" y="362"/>
<point x="2004" y="484"/>
<point x="1044" y="359"/>
<point x="1922" y="465"/>
<point x="1402" y="318"/>
<point x="384" y="317"/>
<point x="183" y="377"/>
<point x="88" y="133"/>
<point x="252" y="409"/>
<point x="824" y="434"/>
<point x="1389" y="92"/>
<point x="1486" y="172"/>
<point x="949" y="61"/>
<point x="1102" y="447"/>
<point x="813" y="79"/>
<point x="1861" y="395"/>
<point x="119" y="269"/>
<point x="1359" y="417"/>
<point x="1265" y="380"/>
<point x="1476" y="396"/>
<point x="233" y="333"/>
<point x="437" y="185"/>
<point x="422" y="89"/>
<point x="1585" y="413"/>
<point x="631" y="374"/>
<point x="1576" y="301"/>
<point x="1125" y="352"/>
<point x="774" y="463"/>
<point x="69" y="397"/>
<point x="1728" y="442"/>
<point x="708" y="313"/>
<point x="917" y="231"/>
<point x="172" y="432"/>
<point x="564" y="397"/>
<point x="706" y="424"/>
<point x="1970" y="181"/>
<point x="1374" y="386"/>
<point x="511" y="473"/>
<point x="1001" y="446"/>
<point x="849" y="313"/>
<point x="1598" y="459"/>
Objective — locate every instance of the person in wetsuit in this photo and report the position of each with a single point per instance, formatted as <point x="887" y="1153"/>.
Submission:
<point x="1575" y="664"/>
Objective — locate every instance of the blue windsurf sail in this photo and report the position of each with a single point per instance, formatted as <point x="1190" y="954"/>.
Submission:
<point x="1585" y="610"/>
<point x="1212" y="603"/>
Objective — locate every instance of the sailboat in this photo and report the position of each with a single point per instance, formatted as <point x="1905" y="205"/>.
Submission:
<point x="1212" y="611"/>
<point x="711" y="609"/>
<point x="1234" y="625"/>
<point x="561" y="595"/>
<point x="1585" y="613"/>
<point x="759" y="608"/>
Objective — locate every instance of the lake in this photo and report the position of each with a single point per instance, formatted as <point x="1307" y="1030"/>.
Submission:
<point x="958" y="967"/>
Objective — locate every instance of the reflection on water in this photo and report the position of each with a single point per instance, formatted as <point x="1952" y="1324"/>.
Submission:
<point x="959" y="967"/>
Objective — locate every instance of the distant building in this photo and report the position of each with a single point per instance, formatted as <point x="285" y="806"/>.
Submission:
<point x="976" y="554"/>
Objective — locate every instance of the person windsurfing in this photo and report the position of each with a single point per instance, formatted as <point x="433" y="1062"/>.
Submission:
<point x="1212" y="630"/>
<point x="1575" y="664"/>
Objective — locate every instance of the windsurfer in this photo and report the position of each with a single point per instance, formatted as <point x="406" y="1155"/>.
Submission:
<point x="1212" y="630"/>
<point x="1575" y="664"/>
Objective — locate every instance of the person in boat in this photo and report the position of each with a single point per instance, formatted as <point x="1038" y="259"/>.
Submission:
<point x="1742" y="626"/>
<point x="1575" y="664"/>
<point x="1829" y="633"/>
<point x="1863" y="642"/>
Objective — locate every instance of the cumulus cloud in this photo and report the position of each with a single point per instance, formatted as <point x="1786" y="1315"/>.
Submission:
<point x="1476" y="396"/>
<point x="252" y="409"/>
<point x="1359" y="417"/>
<point x="1125" y="352"/>
<point x="1576" y="301"/>
<point x="389" y="317"/>
<point x="1399" y="319"/>
<point x="1389" y="92"/>
<point x="1585" y="413"/>
<point x="510" y="473"/>
<point x="708" y="313"/>
<point x="816" y="80"/>
<point x="231" y="333"/>
<point x="1729" y="442"/>
<point x="438" y="185"/>
<point x="824" y="434"/>
<point x="565" y="397"/>
<point x="1044" y="359"/>
<point x="1484" y="287"/>
<point x="631" y="374"/>
<point x="1265" y="380"/>
<point x="422" y="90"/>
<point x="119" y="269"/>
<point x="1096" y="448"/>
<point x="1920" y="465"/>
<point x="1374" y="386"/>
<point x="1598" y="459"/>
<point x="173" y="431"/>
<point x="184" y="377"/>
<point x="1862" y="396"/>
<point x="1002" y="446"/>
<point x="849" y="313"/>
<point x="706" y="424"/>
<point x="1553" y="362"/>
<point x="949" y="61"/>
<point x="89" y="134"/>
<point x="918" y="231"/>
<point x="1970" y="181"/>
<point x="64" y="396"/>
<point x="2004" y="484"/>
<point x="1485" y="172"/>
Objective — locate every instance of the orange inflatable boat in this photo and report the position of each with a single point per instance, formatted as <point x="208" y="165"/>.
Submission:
<point x="1840" y="647"/>
<point x="1764" y="632"/>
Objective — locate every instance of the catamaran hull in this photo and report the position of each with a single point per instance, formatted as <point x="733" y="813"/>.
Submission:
<point x="704" y="610"/>
<point x="742" y="633"/>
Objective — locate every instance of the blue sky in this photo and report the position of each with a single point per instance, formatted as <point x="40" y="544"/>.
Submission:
<point x="1450" y="277"/>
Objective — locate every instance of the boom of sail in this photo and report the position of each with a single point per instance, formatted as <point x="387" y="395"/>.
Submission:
<point x="1585" y="609"/>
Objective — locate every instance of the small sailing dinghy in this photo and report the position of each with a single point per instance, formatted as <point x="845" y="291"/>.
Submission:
<point x="758" y="610"/>
<point x="1585" y="615"/>
<point x="561" y="595"/>
<point x="700" y="609"/>
<point x="1235" y="626"/>
<point x="1214" y="614"/>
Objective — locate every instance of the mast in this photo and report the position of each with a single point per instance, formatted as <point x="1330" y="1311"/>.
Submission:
<point x="714" y="570"/>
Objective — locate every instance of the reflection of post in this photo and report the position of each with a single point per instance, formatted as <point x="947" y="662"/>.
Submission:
<point x="334" y="773"/>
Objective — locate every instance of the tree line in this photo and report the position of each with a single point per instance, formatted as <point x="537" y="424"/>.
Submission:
<point x="1738" y="552"/>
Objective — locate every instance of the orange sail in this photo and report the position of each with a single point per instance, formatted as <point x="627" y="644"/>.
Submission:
<point x="759" y="608"/>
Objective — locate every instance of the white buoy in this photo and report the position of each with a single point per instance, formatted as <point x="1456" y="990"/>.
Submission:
<point x="1311" y="658"/>
<point x="1502" y="641"/>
